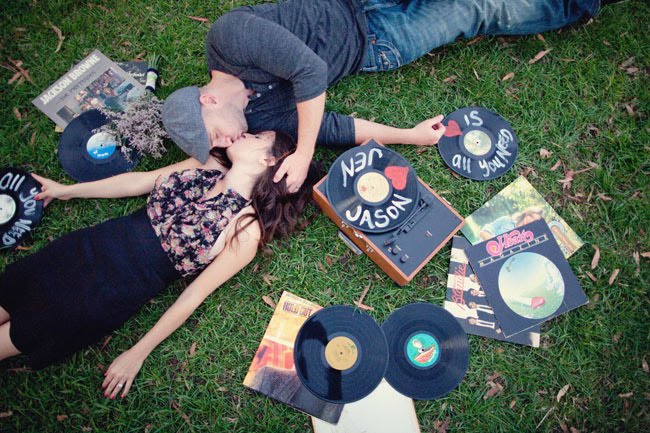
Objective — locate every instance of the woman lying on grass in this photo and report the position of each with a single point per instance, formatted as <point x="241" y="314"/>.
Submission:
<point x="199" y="219"/>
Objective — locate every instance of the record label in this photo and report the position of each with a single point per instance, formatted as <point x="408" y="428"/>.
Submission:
<point x="428" y="351"/>
<point x="422" y="349"/>
<point x="101" y="145"/>
<point x="478" y="143"/>
<point x="86" y="155"/>
<point x="7" y="208"/>
<point x="20" y="212"/>
<point x="340" y="354"/>
<point x="372" y="188"/>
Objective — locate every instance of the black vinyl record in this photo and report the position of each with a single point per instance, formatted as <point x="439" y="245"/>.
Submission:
<point x="372" y="188"/>
<point x="478" y="143"/>
<point x="428" y="351"/>
<point x="20" y="213"/>
<point x="340" y="354"/>
<point x="88" y="156"/>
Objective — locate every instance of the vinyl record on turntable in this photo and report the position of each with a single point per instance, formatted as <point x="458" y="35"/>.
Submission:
<point x="86" y="155"/>
<point x="478" y="143"/>
<point x="20" y="213"/>
<point x="340" y="354"/>
<point x="372" y="188"/>
<point x="428" y="351"/>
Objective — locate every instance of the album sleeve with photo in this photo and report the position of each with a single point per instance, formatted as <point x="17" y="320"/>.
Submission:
<point x="525" y="277"/>
<point x="517" y="204"/>
<point x="95" y="82"/>
<point x="467" y="301"/>
<point x="272" y="371"/>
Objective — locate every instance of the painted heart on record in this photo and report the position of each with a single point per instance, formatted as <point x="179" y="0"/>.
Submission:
<point x="397" y="175"/>
<point x="453" y="130"/>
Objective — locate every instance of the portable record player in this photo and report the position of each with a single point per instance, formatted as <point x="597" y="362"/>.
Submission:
<point x="375" y="198"/>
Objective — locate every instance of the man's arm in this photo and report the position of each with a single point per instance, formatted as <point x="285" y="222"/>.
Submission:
<point x="425" y="133"/>
<point x="245" y="40"/>
<point x="296" y="166"/>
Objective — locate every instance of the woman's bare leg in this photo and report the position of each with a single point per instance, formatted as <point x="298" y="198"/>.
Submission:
<point x="7" y="348"/>
<point x="4" y="316"/>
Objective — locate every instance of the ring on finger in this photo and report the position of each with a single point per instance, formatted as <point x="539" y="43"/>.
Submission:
<point x="120" y="385"/>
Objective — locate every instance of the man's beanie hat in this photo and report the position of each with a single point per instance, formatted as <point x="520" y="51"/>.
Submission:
<point x="181" y="116"/>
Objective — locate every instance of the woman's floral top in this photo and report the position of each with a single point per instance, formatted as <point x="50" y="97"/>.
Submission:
<point x="187" y="223"/>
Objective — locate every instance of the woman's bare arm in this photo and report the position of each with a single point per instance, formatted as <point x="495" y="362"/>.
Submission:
<point x="236" y="255"/>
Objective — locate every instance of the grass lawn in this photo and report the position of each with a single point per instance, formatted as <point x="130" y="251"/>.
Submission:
<point x="586" y="101"/>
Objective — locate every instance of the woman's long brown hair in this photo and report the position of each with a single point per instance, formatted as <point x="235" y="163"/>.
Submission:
<point x="277" y="210"/>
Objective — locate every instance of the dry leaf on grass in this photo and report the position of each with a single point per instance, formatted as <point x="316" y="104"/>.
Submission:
<point x="268" y="301"/>
<point x="568" y="179"/>
<point x="596" y="258"/>
<point x="6" y="414"/>
<point x="512" y="404"/>
<point x="591" y="276"/>
<point x="450" y="79"/>
<point x="562" y="391"/>
<point x="603" y="197"/>
<point x="17" y="113"/>
<point x="612" y="277"/>
<point x="540" y="37"/>
<point x="539" y="56"/>
<point x="508" y="76"/>
<point x="441" y="426"/>
<point x="476" y="74"/>
<point x="199" y="19"/>
<point x="646" y="254"/>
<point x="475" y="40"/>
<point x="544" y="153"/>
<point x="495" y="388"/>
<point x="192" y="348"/>
<point x="61" y="417"/>
<point x="644" y="365"/>
<point x="630" y="110"/>
<point x="108" y="339"/>
<point x="637" y="260"/>
<point x="627" y="63"/>
<point x="557" y="165"/>
<point x="626" y="395"/>
<point x="268" y="279"/>
<point x="59" y="35"/>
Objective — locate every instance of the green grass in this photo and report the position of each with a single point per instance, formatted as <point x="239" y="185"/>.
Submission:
<point x="554" y="104"/>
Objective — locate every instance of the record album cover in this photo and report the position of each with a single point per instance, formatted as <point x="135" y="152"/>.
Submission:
<point x="518" y="204"/>
<point x="383" y="411"/>
<point x="272" y="371"/>
<point x="526" y="277"/>
<point x="95" y="82"/>
<point x="467" y="301"/>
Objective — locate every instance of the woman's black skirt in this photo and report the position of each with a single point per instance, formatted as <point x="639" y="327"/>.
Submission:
<point x="83" y="286"/>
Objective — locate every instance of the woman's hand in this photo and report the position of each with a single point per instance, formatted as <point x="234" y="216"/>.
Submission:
<point x="121" y="373"/>
<point x="428" y="132"/>
<point x="51" y="190"/>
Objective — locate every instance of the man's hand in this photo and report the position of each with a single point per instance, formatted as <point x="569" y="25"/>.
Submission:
<point x="295" y="166"/>
<point x="121" y="373"/>
<point x="428" y="132"/>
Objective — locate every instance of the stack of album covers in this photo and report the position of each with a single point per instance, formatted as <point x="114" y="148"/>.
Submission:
<point x="515" y="276"/>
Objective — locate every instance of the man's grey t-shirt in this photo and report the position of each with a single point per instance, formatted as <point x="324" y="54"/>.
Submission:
<point x="290" y="52"/>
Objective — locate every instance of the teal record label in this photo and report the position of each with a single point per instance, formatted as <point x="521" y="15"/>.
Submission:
<point x="422" y="350"/>
<point x="101" y="145"/>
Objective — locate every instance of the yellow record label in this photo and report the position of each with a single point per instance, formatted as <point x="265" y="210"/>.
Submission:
<point x="373" y="187"/>
<point x="341" y="353"/>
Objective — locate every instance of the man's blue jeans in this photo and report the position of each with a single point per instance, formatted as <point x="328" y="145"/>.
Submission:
<point x="401" y="31"/>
